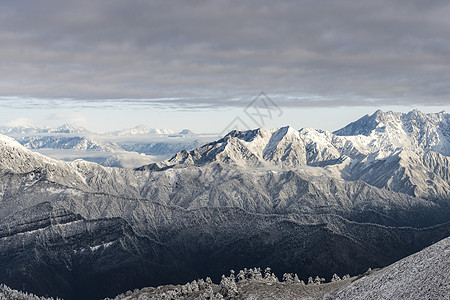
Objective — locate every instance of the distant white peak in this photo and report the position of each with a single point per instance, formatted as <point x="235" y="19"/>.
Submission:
<point x="69" y="128"/>
<point x="186" y="132"/>
<point x="21" y="129"/>
<point x="163" y="131"/>
<point x="142" y="130"/>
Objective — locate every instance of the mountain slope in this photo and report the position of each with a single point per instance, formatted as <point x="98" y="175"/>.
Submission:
<point x="423" y="275"/>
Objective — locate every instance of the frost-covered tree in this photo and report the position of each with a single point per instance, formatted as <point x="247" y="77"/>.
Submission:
<point x="288" y="277"/>
<point x="257" y="274"/>
<point x="274" y="278"/>
<point x="8" y="293"/>
<point x="335" y="278"/>
<point x="194" y="286"/>
<point x="297" y="280"/>
<point x="319" y="280"/>
<point x="202" y="284"/>
<point x="208" y="294"/>
<point x="267" y="273"/>
<point x="228" y="287"/>
<point x="310" y="280"/>
<point x="346" y="276"/>
<point x="241" y="276"/>
<point x="232" y="277"/>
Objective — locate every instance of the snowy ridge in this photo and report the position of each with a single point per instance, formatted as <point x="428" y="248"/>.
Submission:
<point x="424" y="275"/>
<point x="142" y="130"/>
<point x="15" y="157"/>
<point x="412" y="131"/>
<point x="254" y="148"/>
<point x="21" y="130"/>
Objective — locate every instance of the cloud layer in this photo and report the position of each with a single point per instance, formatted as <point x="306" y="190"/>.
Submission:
<point x="207" y="53"/>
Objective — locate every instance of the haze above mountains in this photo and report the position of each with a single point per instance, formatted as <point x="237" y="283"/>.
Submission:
<point x="304" y="201"/>
<point x="127" y="148"/>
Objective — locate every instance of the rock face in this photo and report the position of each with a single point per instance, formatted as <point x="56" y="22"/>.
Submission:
<point x="307" y="202"/>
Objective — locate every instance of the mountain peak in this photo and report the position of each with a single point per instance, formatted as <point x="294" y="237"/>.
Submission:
<point x="413" y="130"/>
<point x="9" y="141"/>
<point x="142" y="130"/>
<point x="253" y="148"/>
<point x="70" y="128"/>
<point x="186" y="132"/>
<point x="369" y="124"/>
<point x="363" y="126"/>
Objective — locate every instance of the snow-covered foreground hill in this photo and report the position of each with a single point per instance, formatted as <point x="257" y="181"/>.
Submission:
<point x="424" y="275"/>
<point x="303" y="201"/>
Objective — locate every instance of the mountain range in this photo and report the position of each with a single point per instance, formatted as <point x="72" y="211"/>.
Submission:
<point x="127" y="148"/>
<point x="303" y="201"/>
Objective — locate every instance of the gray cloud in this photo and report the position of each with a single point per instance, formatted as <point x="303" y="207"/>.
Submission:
<point x="206" y="53"/>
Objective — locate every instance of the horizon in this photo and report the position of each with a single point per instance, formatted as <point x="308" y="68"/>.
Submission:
<point x="328" y="119"/>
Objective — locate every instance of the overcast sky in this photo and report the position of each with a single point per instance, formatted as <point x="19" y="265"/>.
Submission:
<point x="152" y="61"/>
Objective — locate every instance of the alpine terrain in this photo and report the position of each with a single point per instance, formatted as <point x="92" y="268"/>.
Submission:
<point x="423" y="275"/>
<point x="127" y="148"/>
<point x="303" y="201"/>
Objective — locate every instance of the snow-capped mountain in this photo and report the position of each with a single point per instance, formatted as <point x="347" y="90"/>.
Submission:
<point x="255" y="148"/>
<point x="142" y="130"/>
<point x="128" y="148"/>
<point x="68" y="128"/>
<point x="66" y="142"/>
<point x="404" y="152"/>
<point x="20" y="130"/>
<point x="410" y="131"/>
<point x="186" y="132"/>
<point x="350" y="202"/>
<point x="32" y="130"/>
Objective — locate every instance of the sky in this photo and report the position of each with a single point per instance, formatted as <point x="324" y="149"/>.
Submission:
<point x="202" y="65"/>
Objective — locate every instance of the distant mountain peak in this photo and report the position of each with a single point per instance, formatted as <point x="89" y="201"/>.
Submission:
<point x="253" y="148"/>
<point x="70" y="128"/>
<point x="186" y="132"/>
<point x="142" y="130"/>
